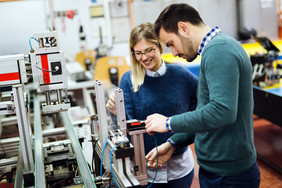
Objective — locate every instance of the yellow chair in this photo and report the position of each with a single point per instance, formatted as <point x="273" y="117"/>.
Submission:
<point x="86" y="58"/>
<point x="109" y="70"/>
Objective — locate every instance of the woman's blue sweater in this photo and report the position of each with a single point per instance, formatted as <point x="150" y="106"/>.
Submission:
<point x="170" y="94"/>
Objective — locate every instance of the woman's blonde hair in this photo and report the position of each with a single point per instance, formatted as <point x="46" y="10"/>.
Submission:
<point x="146" y="32"/>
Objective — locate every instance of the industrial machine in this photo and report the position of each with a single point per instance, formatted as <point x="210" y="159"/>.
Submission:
<point x="122" y="161"/>
<point x="24" y="79"/>
<point x="265" y="67"/>
<point x="45" y="150"/>
<point x="267" y="81"/>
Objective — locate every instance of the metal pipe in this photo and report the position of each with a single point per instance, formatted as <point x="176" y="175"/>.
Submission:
<point x="59" y="96"/>
<point x="48" y="97"/>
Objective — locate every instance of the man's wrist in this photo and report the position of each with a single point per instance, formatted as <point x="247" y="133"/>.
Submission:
<point x="167" y="124"/>
<point x="172" y="143"/>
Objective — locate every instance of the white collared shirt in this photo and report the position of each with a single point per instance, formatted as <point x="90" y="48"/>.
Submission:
<point x="161" y="71"/>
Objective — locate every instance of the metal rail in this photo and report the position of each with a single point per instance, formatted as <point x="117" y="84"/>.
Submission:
<point x="38" y="146"/>
<point x="83" y="167"/>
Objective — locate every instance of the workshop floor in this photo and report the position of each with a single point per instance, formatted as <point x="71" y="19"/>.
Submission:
<point x="268" y="144"/>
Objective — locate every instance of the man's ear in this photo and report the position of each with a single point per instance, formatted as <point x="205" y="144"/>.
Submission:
<point x="183" y="28"/>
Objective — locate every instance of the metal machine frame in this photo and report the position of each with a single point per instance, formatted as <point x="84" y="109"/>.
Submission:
<point x="111" y="139"/>
<point x="48" y="71"/>
<point x="45" y="66"/>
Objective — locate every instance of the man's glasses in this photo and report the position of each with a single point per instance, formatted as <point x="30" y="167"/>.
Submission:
<point x="148" y="53"/>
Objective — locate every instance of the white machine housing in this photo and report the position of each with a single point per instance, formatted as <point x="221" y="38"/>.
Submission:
<point x="49" y="70"/>
<point x="48" y="63"/>
<point x="12" y="70"/>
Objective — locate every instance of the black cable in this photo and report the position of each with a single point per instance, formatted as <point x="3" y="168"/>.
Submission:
<point x="110" y="182"/>
<point x="94" y="154"/>
<point x="73" y="174"/>
<point x="3" y="176"/>
<point x="61" y="181"/>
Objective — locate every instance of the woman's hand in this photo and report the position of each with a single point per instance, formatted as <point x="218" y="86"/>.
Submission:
<point x="111" y="104"/>
<point x="165" y="152"/>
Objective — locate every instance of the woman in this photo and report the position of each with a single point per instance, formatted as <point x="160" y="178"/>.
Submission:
<point x="153" y="86"/>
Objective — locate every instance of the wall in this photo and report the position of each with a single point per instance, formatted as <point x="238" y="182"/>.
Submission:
<point x="260" y="15"/>
<point x="20" y="19"/>
<point x="18" y="22"/>
<point x="220" y="13"/>
<point x="214" y="12"/>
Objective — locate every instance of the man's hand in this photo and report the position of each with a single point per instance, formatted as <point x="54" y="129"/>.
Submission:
<point x="155" y="123"/>
<point x="165" y="152"/>
<point x="111" y="104"/>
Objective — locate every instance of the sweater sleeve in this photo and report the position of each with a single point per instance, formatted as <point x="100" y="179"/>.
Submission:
<point x="193" y="94"/>
<point x="220" y="69"/>
<point x="182" y="140"/>
<point x="126" y="86"/>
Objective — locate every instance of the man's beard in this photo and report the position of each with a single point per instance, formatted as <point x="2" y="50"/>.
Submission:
<point x="188" y="52"/>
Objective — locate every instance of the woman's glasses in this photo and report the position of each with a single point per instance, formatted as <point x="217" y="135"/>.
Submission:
<point x="148" y="53"/>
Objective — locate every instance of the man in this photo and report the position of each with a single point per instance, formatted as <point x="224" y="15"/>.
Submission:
<point x="222" y="122"/>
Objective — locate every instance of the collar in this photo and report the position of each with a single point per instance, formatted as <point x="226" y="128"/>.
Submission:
<point x="161" y="71"/>
<point x="208" y="38"/>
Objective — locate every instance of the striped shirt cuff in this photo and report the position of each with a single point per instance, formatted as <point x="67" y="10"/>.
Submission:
<point x="168" y="124"/>
<point x="172" y="143"/>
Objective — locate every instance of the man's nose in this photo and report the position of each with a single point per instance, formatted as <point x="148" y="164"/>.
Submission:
<point x="174" y="52"/>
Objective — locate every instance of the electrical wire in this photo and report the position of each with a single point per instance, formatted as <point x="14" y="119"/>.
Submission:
<point x="114" y="181"/>
<point x="61" y="181"/>
<point x="56" y="69"/>
<point x="102" y="158"/>
<point x="30" y="42"/>
<point x="110" y="185"/>
<point x="146" y="164"/>
<point x="94" y="154"/>
<point x="112" y="167"/>
<point x="3" y="176"/>
<point x="157" y="162"/>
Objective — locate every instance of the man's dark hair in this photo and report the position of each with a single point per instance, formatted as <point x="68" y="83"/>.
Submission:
<point x="174" y="13"/>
